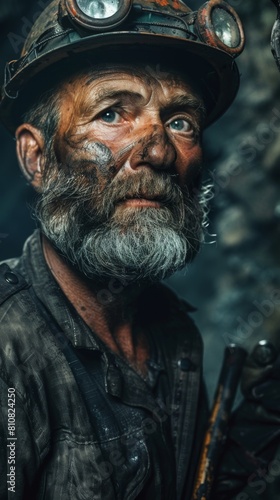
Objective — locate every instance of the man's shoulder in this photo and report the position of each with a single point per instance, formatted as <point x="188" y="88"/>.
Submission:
<point x="18" y="316"/>
<point x="25" y="345"/>
<point x="14" y="279"/>
<point x="11" y="281"/>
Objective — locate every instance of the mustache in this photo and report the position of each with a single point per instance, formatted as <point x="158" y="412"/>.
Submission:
<point x="67" y="188"/>
<point x="149" y="185"/>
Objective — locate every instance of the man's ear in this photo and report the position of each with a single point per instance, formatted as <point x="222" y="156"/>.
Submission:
<point x="30" y="145"/>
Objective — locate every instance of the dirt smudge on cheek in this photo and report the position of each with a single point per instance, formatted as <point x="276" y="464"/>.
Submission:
<point x="100" y="155"/>
<point x="88" y="158"/>
<point x="92" y="159"/>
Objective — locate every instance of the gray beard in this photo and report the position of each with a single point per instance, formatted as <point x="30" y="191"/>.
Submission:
<point x="148" y="248"/>
<point x="105" y="240"/>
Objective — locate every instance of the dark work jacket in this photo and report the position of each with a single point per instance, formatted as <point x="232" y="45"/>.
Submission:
<point x="250" y="466"/>
<point x="143" y="439"/>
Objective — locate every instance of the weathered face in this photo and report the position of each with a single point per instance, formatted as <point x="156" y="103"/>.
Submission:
<point x="120" y="190"/>
<point x="119" y="124"/>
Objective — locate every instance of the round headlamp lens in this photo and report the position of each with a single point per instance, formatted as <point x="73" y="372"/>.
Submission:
<point x="99" y="9"/>
<point x="226" y="28"/>
<point x="218" y="25"/>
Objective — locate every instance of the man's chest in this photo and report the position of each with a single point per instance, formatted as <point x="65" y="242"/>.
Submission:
<point x="122" y="448"/>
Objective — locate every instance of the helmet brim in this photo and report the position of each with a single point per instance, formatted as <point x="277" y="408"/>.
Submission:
<point x="217" y="70"/>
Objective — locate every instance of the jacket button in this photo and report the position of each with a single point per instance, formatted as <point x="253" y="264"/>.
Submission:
<point x="11" y="278"/>
<point x="186" y="365"/>
<point x="264" y="353"/>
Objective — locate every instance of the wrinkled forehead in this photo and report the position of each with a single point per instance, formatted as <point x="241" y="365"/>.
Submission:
<point x="127" y="73"/>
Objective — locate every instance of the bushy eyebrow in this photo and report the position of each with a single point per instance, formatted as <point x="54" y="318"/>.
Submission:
<point x="186" y="103"/>
<point x="120" y="95"/>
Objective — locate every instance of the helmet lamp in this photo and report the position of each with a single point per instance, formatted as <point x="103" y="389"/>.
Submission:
<point x="97" y="15"/>
<point x="218" y="25"/>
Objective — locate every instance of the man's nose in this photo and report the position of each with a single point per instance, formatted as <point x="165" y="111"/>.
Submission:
<point x="154" y="150"/>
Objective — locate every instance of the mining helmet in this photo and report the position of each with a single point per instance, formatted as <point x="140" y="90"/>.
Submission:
<point x="205" y="42"/>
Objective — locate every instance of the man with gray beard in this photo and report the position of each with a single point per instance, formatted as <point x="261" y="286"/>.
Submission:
<point x="102" y="394"/>
<point x="102" y="233"/>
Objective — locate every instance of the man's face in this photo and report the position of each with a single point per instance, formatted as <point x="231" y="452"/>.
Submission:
<point x="119" y="195"/>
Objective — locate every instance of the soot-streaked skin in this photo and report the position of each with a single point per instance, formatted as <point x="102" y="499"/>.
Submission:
<point x="102" y="159"/>
<point x="117" y="122"/>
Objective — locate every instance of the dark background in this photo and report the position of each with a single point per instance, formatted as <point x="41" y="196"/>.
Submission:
<point x="233" y="278"/>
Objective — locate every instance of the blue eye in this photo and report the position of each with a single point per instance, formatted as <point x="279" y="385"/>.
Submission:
<point x="180" y="125"/>
<point x="110" y="116"/>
